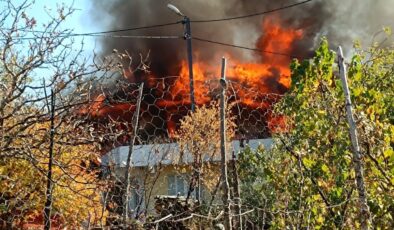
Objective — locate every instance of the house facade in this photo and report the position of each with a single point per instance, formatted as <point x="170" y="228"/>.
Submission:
<point x="162" y="170"/>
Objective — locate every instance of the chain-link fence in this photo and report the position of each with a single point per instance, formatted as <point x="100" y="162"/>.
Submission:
<point x="176" y="153"/>
<point x="108" y="143"/>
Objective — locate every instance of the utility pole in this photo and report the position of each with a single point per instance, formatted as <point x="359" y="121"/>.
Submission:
<point x="357" y="160"/>
<point x="48" y="202"/>
<point x="223" y="149"/>
<point x="188" y="37"/>
<point x="128" y="162"/>
<point x="237" y="193"/>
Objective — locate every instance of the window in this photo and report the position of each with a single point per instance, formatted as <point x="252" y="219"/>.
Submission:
<point x="137" y="197"/>
<point x="177" y="185"/>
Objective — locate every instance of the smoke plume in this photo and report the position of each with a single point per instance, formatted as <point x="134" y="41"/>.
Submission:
<point x="295" y="31"/>
<point x="341" y="21"/>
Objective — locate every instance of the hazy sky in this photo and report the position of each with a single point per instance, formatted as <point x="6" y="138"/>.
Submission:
<point x="79" y="22"/>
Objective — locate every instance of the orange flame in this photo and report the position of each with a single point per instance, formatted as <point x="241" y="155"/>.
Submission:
<point x="257" y="76"/>
<point x="100" y="107"/>
<point x="275" y="38"/>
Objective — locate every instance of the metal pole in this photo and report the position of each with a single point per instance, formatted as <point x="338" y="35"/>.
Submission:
<point x="358" y="167"/>
<point x="48" y="202"/>
<point x="128" y="162"/>
<point x="223" y="149"/>
<point x="237" y="193"/>
<point x="188" y="38"/>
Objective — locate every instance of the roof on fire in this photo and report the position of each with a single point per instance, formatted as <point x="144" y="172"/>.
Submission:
<point x="167" y="154"/>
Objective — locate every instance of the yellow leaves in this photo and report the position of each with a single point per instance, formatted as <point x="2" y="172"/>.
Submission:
<point x="321" y="112"/>
<point x="210" y="177"/>
<point x="387" y="30"/>
<point x="325" y="169"/>
<point x="371" y="113"/>
<point x="199" y="131"/>
<point x="320" y="219"/>
<point x="76" y="193"/>
<point x="76" y="207"/>
<point x="308" y="162"/>
<point x="316" y="197"/>
<point x="357" y="44"/>
<point x="358" y="91"/>
<point x="388" y="153"/>
<point x="390" y="136"/>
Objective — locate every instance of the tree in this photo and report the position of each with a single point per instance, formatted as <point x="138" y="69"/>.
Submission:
<point x="310" y="169"/>
<point x="199" y="135"/>
<point x="32" y="61"/>
<point x="76" y="191"/>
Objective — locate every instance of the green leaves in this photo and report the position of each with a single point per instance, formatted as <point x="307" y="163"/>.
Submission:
<point x="319" y="139"/>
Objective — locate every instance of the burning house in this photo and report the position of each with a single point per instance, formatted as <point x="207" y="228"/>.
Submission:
<point x="260" y="52"/>
<point x="259" y="48"/>
<point x="254" y="87"/>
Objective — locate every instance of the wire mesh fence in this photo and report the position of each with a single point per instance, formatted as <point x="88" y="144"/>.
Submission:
<point x="173" y="156"/>
<point x="165" y="103"/>
<point x="165" y="135"/>
<point x="84" y="145"/>
<point x="175" y="163"/>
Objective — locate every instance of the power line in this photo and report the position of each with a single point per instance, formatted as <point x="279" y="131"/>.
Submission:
<point x="161" y="25"/>
<point x="178" y="22"/>
<point x="246" y="48"/>
<point x="253" y="15"/>
<point x="102" y="35"/>
<point x="135" y="36"/>
<point x="102" y="32"/>
<point x="131" y="29"/>
<point x="169" y="37"/>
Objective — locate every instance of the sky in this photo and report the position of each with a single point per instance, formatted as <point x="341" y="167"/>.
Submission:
<point x="80" y="21"/>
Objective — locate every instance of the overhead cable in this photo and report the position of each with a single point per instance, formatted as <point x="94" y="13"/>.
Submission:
<point x="254" y="14"/>
<point x="245" y="48"/>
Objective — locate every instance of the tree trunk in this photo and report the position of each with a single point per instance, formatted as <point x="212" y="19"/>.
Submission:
<point x="357" y="159"/>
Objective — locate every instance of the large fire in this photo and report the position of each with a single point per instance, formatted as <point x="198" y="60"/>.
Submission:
<point x="253" y="76"/>
<point x="275" y="39"/>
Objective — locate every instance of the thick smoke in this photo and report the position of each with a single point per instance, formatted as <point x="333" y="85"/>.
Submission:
<point x="341" y="21"/>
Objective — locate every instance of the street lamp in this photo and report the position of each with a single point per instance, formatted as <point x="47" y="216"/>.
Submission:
<point x="187" y="36"/>
<point x="176" y="10"/>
